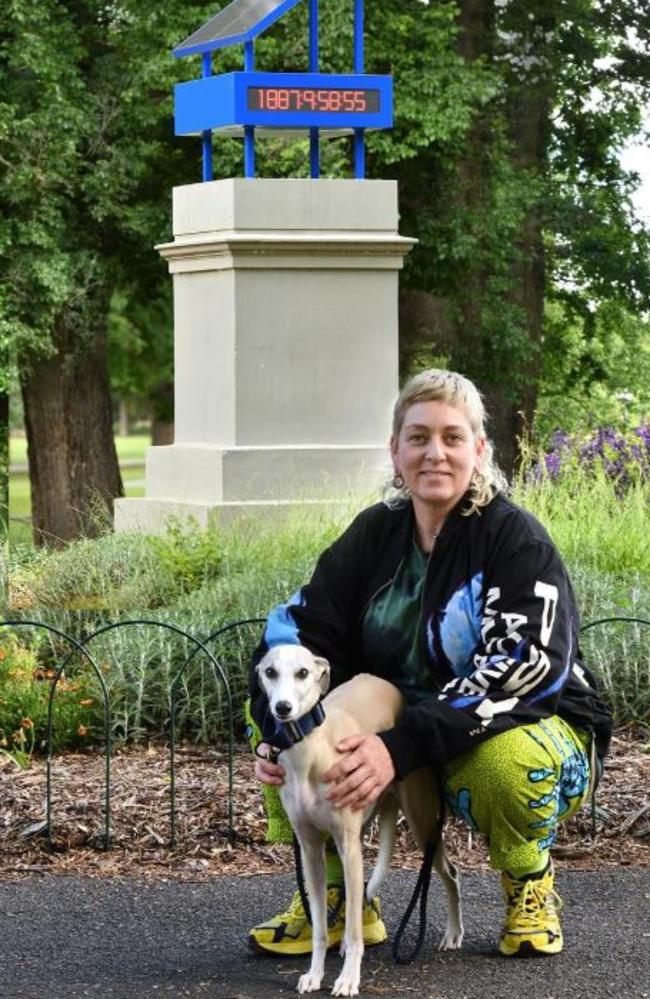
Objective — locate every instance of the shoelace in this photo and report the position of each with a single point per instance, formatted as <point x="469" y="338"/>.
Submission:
<point x="533" y="899"/>
<point x="296" y="909"/>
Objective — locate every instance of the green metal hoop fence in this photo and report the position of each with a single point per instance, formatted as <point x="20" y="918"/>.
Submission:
<point x="79" y="646"/>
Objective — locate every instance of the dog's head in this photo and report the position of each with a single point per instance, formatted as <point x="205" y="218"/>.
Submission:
<point x="293" y="679"/>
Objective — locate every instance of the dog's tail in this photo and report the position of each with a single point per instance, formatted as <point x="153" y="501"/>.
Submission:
<point x="387" y="815"/>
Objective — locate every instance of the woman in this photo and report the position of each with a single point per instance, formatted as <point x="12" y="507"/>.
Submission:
<point x="460" y="598"/>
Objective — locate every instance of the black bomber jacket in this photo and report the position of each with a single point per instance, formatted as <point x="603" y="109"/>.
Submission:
<point x="498" y="627"/>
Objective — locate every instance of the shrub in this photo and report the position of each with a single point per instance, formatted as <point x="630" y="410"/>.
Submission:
<point x="592" y="520"/>
<point x="116" y="571"/>
<point x="24" y="695"/>
<point x="187" y="554"/>
<point x="242" y="571"/>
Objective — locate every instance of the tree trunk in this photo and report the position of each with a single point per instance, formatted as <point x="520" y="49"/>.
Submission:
<point x="162" y="432"/>
<point x="529" y="105"/>
<point x="510" y="396"/>
<point x="476" y="40"/>
<point x="123" y="418"/>
<point x="4" y="478"/>
<point x="73" y="466"/>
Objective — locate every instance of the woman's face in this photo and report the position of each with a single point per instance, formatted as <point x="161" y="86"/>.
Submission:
<point x="436" y="454"/>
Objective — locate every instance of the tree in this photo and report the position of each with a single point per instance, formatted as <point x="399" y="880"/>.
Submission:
<point x="526" y="202"/>
<point x="87" y="169"/>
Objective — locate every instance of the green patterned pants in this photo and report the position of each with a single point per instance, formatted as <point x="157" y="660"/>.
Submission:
<point x="516" y="787"/>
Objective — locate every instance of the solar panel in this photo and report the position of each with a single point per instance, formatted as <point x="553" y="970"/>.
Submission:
<point x="240" y="21"/>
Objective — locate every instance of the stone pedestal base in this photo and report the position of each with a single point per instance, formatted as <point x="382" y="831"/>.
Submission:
<point x="285" y="328"/>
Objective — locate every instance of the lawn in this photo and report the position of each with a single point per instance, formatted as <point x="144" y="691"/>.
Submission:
<point x="129" y="450"/>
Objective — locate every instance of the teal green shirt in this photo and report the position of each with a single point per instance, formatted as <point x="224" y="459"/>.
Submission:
<point x="391" y="627"/>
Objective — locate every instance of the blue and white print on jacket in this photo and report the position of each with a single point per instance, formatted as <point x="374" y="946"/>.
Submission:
<point x="460" y="626"/>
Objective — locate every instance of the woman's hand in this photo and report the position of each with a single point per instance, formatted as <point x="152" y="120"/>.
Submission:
<point x="361" y="776"/>
<point x="265" y="771"/>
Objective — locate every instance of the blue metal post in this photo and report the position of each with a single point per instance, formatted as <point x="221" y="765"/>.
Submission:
<point x="314" y="141"/>
<point x="206" y="142"/>
<point x="249" y="131"/>
<point x="359" y="143"/>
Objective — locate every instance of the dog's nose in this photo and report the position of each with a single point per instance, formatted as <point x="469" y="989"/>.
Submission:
<point x="283" y="709"/>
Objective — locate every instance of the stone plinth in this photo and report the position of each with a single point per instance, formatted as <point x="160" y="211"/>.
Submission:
<point x="285" y="328"/>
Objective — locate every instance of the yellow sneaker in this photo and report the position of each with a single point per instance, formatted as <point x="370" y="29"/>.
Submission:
<point x="532" y="918"/>
<point x="290" y="932"/>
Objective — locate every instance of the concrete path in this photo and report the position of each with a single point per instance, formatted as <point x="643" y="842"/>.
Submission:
<point x="72" y="937"/>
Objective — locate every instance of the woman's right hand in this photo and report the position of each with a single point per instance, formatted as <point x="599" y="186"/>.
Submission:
<point x="265" y="771"/>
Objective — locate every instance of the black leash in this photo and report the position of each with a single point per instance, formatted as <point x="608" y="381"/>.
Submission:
<point x="300" y="877"/>
<point x="420" y="891"/>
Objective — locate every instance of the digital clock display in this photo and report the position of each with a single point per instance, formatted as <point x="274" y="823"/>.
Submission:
<point x="327" y="100"/>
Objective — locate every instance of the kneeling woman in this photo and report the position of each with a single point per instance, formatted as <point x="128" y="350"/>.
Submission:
<point x="458" y="597"/>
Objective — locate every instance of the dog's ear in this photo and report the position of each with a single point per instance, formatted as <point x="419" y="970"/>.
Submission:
<point x="322" y="674"/>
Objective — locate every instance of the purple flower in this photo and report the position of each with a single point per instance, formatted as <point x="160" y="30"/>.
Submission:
<point x="624" y="457"/>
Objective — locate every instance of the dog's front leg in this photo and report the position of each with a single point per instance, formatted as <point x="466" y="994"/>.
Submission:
<point x="348" y="842"/>
<point x="312" y="850"/>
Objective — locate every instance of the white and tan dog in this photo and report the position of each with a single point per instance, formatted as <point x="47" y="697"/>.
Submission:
<point x="295" y="681"/>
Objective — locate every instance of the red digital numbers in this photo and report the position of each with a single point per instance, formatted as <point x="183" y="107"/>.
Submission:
<point x="305" y="99"/>
<point x="302" y="99"/>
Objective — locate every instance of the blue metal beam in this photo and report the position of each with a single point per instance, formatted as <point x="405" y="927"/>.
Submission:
<point x="314" y="139"/>
<point x="359" y="59"/>
<point x="249" y="131"/>
<point x="206" y="140"/>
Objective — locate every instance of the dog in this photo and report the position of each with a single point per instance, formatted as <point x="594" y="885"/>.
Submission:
<point x="295" y="683"/>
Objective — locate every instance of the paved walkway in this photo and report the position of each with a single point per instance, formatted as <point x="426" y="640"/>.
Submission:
<point x="70" y="937"/>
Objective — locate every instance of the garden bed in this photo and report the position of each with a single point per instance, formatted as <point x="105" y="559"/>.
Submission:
<point x="141" y="803"/>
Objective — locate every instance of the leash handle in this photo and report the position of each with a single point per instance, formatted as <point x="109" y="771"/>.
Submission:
<point x="270" y="756"/>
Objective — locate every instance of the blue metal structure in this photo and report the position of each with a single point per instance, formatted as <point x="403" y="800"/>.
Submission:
<point x="241" y="103"/>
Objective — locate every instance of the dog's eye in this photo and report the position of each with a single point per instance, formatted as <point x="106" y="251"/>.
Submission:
<point x="270" y="672"/>
<point x="302" y="674"/>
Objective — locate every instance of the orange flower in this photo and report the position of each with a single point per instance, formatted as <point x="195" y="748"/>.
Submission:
<point x="26" y="723"/>
<point x="82" y="730"/>
<point x="3" y="655"/>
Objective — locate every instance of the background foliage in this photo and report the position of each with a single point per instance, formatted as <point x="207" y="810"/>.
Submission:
<point x="200" y="580"/>
<point x="88" y="158"/>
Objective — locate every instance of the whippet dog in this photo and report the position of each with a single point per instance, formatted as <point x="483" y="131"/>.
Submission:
<point x="311" y="725"/>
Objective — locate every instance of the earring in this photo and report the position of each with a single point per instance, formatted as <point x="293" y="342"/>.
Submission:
<point x="398" y="481"/>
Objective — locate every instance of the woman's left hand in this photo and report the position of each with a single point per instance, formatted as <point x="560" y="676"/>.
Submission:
<point x="361" y="776"/>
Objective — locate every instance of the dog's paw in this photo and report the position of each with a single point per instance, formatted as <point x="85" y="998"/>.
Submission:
<point x="344" y="986"/>
<point x="452" y="940"/>
<point x="309" y="983"/>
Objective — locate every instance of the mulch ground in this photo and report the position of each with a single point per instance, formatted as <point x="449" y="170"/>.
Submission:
<point x="140" y="817"/>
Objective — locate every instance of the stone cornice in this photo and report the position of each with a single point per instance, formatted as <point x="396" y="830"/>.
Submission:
<point x="286" y="249"/>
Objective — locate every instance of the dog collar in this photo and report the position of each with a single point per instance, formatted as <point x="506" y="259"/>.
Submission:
<point x="287" y="734"/>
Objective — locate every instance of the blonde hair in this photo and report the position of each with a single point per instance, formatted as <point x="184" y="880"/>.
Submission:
<point x="436" y="384"/>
